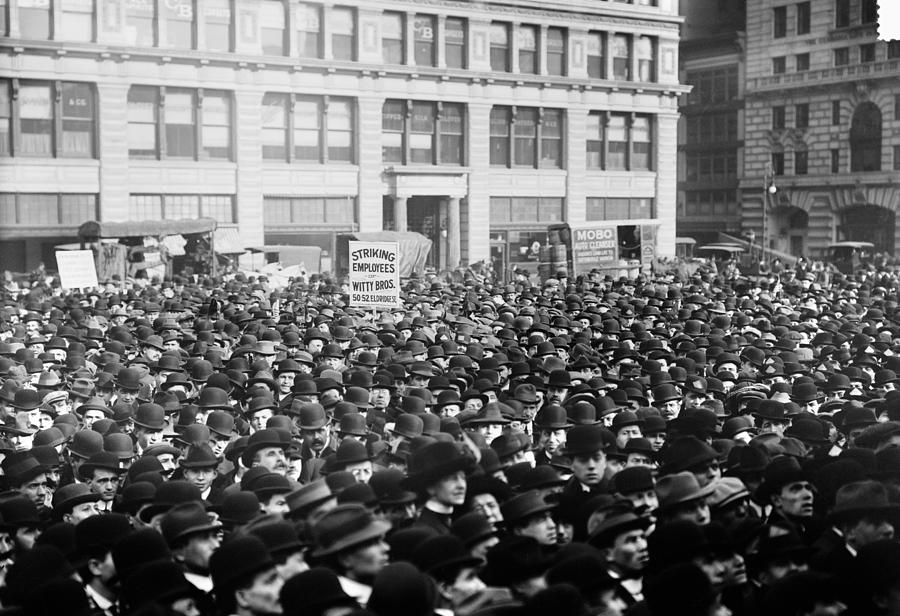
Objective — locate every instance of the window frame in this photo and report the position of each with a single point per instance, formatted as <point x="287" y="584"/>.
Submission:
<point x="56" y="122"/>
<point x="804" y="18"/>
<point x="513" y="138"/>
<point x="779" y="22"/>
<point x="521" y="33"/>
<point x="602" y="37"/>
<point x="779" y="65"/>
<point x="330" y="18"/>
<point x="306" y="9"/>
<point x="210" y="18"/>
<point x="801" y="115"/>
<point x="425" y="25"/>
<point x="437" y="134"/>
<point x="167" y="204"/>
<point x="463" y="46"/>
<point x="562" y="54"/>
<point x="18" y="220"/>
<point x="778" y="117"/>
<point x="801" y="62"/>
<point x="496" y="49"/>
<point x="391" y="46"/>
<point x="323" y="102"/>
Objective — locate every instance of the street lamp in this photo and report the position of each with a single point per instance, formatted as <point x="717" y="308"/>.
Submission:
<point x="769" y="188"/>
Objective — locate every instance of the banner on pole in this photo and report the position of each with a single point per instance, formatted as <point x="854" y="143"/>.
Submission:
<point x="76" y="268"/>
<point x="375" y="274"/>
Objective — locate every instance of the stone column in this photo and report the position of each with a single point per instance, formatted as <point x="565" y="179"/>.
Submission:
<point x="400" y="213"/>
<point x="453" y="233"/>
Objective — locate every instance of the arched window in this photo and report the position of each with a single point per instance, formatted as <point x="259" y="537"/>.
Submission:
<point x="865" y="138"/>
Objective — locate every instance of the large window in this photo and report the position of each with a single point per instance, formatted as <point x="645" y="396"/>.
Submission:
<point x="500" y="47"/>
<point x="536" y="137"/>
<point x="867" y="52"/>
<point x="527" y="39"/>
<point x="47" y="209"/>
<point x="392" y="40"/>
<point x="712" y="127"/>
<point x="140" y="22"/>
<point x="778" y="116"/>
<point x="618" y="141"/>
<point x="424" y="28"/>
<point x="179" y="123"/>
<point x="865" y="138"/>
<point x="621" y="53"/>
<point x="422" y="133"/>
<point x="596" y="55"/>
<point x="714" y="85"/>
<point x="179" y="18"/>
<point x="869" y="11"/>
<point x="271" y="27"/>
<point x="309" y="211"/>
<point x="77" y="20"/>
<point x="35" y="19"/>
<point x="801" y="162"/>
<point x="217" y="24"/>
<point x="309" y="30"/>
<point x="526" y="209"/>
<point x="801" y="115"/>
<point x="779" y="65"/>
<point x="177" y="207"/>
<point x="710" y="166"/>
<point x="611" y="208"/>
<point x="51" y="119"/>
<point x="556" y="51"/>
<point x="312" y="129"/>
<point x="841" y="13"/>
<point x="455" y="42"/>
<point x="342" y="25"/>
<point x="842" y="56"/>
<point x="710" y="203"/>
<point x="802" y="61"/>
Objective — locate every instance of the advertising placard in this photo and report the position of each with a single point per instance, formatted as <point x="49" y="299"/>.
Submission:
<point x="76" y="268"/>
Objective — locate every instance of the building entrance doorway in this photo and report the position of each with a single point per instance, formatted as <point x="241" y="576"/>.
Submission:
<point x="869" y="223"/>
<point x="790" y="225"/>
<point x="423" y="215"/>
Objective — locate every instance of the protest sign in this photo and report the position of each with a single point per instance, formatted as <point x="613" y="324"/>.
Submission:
<point x="76" y="268"/>
<point x="375" y="274"/>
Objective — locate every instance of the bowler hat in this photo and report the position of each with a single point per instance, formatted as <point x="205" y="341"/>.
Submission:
<point x="158" y="581"/>
<point x="26" y="400"/>
<point x="472" y="528"/>
<point x="280" y="537"/>
<point x="522" y="506"/>
<point x="585" y="440"/>
<point x="68" y="496"/>
<point x="128" y="379"/>
<point x="268" y="437"/>
<point x="633" y="479"/>
<point x="439" y="554"/>
<point x="345" y="527"/>
<point x="685" y="453"/>
<point x="239" y="508"/>
<point x="513" y="560"/>
<point x="408" y="425"/>
<point x="95" y="404"/>
<point x="312" y="416"/>
<point x="214" y="398"/>
<point x="199" y="455"/>
<point x="552" y="417"/>
<point x="306" y="497"/>
<point x="353" y="424"/>
<point x="350" y="451"/>
<point x="236" y="561"/>
<point x="151" y="416"/>
<point x="772" y="410"/>
<point x="313" y="592"/>
<point x="168" y="495"/>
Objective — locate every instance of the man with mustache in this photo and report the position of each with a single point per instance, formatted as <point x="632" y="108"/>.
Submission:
<point x="316" y="435"/>
<point x="268" y="449"/>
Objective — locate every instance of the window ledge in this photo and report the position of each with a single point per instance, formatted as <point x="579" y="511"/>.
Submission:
<point x="12" y="161"/>
<point x="180" y="163"/>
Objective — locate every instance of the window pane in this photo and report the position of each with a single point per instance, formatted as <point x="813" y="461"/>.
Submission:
<point x="36" y="120"/>
<point x="455" y="36"/>
<point x="646" y="66"/>
<point x="500" y="117"/>
<point x="307" y="118"/>
<point x="220" y="207"/>
<point x="618" y="142"/>
<point x="139" y="22"/>
<point x="525" y="136"/>
<point x="594" y="130"/>
<point x="77" y="23"/>
<point x="306" y="211"/>
<point x="421" y="139"/>
<point x="34" y="19"/>
<point x="500" y="47"/>
<point x="177" y="207"/>
<point x="339" y="211"/>
<point x="38" y="209"/>
<point x="595" y="208"/>
<point x="216" y="134"/>
<point x="5" y="117"/>
<point x="616" y="209"/>
<point x="556" y="51"/>
<point x="551" y="209"/>
<point x="451" y="129"/>
<point x="640" y="138"/>
<point x="217" y="15"/>
<point x="392" y="121"/>
<point x="551" y="138"/>
<point x="596" y="61"/>
<point x="8" y="209"/>
<point x="179" y="16"/>
<point x="271" y="20"/>
<point x="75" y="209"/>
<point x="78" y="120"/>
<point x="621" y="57"/>
<point x="524" y="208"/>
<point x="392" y="38"/>
<point x="526" y="37"/>
<point x="276" y="210"/>
<point x="4" y="22"/>
<point x="145" y="207"/>
<point x="309" y="25"/>
<point x="340" y="130"/>
<point x="343" y="31"/>
<point x="500" y="209"/>
<point x="424" y="27"/>
<point x="274" y="126"/>
<point x="179" y="114"/>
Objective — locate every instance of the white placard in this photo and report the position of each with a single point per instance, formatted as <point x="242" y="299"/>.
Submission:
<point x="76" y="268"/>
<point x="375" y="274"/>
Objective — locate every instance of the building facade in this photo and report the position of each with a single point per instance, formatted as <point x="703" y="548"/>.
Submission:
<point x="822" y="124"/>
<point x="475" y="124"/>
<point x="710" y="137"/>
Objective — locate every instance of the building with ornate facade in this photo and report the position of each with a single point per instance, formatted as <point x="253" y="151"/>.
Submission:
<point x="474" y="123"/>
<point x="822" y="114"/>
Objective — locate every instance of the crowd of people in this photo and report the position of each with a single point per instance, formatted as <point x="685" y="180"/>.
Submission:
<point x="662" y="446"/>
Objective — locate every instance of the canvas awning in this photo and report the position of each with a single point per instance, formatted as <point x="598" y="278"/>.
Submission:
<point x="227" y="241"/>
<point x="144" y="228"/>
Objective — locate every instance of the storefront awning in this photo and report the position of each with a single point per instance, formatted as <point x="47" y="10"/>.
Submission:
<point x="227" y="241"/>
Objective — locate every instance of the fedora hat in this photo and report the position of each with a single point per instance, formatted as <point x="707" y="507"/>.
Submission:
<point x="859" y="499"/>
<point x="386" y="485"/>
<point x="620" y="520"/>
<point x="781" y="471"/>
<point x="672" y="490"/>
<point x="186" y="519"/>
<point x="150" y="416"/>
<point x="686" y="452"/>
<point x="21" y="467"/>
<point x="809" y="430"/>
<point x="442" y="553"/>
<point x="95" y="404"/>
<point x="157" y="581"/>
<point x="435" y="461"/>
<point x="772" y="410"/>
<point x="104" y="460"/>
<point x="585" y="440"/>
<point x="306" y="497"/>
<point x="522" y="506"/>
<point x="472" y="528"/>
<point x="345" y="527"/>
